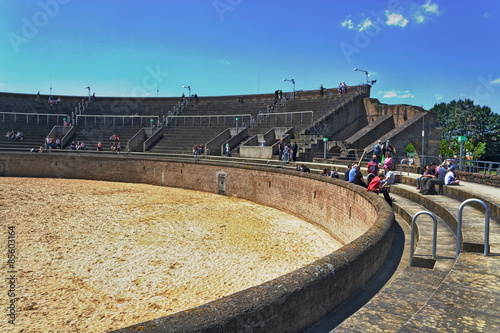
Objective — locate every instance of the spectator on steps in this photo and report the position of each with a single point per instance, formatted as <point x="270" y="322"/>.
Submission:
<point x="376" y="186"/>
<point x="389" y="176"/>
<point x="377" y="150"/>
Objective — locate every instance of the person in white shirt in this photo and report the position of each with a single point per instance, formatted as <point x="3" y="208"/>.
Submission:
<point x="450" y="179"/>
<point x="389" y="176"/>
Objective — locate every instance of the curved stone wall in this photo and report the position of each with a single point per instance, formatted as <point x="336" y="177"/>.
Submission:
<point x="292" y="302"/>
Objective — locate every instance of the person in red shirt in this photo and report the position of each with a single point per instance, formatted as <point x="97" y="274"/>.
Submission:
<point x="375" y="186"/>
<point x="373" y="166"/>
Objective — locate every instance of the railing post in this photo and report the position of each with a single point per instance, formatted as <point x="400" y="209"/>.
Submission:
<point x="486" y="226"/>
<point x="412" y="235"/>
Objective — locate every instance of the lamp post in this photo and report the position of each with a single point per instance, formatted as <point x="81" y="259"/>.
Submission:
<point x="87" y="87"/>
<point x="368" y="82"/>
<point x="189" y="88"/>
<point x="293" y="82"/>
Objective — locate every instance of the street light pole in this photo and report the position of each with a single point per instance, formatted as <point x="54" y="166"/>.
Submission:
<point x="189" y="89"/>
<point x="293" y="82"/>
<point x="87" y="87"/>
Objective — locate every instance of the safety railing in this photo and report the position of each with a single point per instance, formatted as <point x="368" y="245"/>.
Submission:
<point x="233" y="120"/>
<point x="486" y="226"/>
<point x="38" y="116"/>
<point x="412" y="235"/>
<point x="288" y="118"/>
<point x="143" y="121"/>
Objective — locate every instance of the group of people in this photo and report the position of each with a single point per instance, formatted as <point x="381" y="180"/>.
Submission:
<point x="328" y="173"/>
<point x="197" y="151"/>
<point x="287" y="152"/>
<point x="11" y="135"/>
<point x="51" y="143"/>
<point x="79" y="145"/>
<point x="433" y="175"/>
<point x="115" y="147"/>
<point x="303" y="168"/>
<point x="342" y="88"/>
<point x="379" y="177"/>
<point x="381" y="149"/>
<point x="53" y="101"/>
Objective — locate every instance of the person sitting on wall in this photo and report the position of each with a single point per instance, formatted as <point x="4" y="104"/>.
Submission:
<point x="451" y="177"/>
<point x="376" y="186"/>
<point x="326" y="172"/>
<point x="99" y="146"/>
<point x="114" y="137"/>
<point x="389" y="177"/>
<point x="73" y="145"/>
<point x="19" y="135"/>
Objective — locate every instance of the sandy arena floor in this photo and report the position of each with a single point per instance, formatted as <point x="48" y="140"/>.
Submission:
<point x="95" y="256"/>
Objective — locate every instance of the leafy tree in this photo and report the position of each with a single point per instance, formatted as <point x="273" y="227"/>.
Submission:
<point x="478" y="123"/>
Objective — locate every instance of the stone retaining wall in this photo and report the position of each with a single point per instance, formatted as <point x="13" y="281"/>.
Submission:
<point x="292" y="302"/>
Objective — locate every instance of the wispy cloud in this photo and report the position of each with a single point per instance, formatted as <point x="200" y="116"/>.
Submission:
<point x="365" y="24"/>
<point x="396" y="19"/>
<point x="419" y="18"/>
<point x="224" y="62"/>
<point x="406" y="13"/>
<point x="486" y="15"/>
<point x="495" y="81"/>
<point x="389" y="94"/>
<point x="438" y="97"/>
<point x="430" y="7"/>
<point x="348" y="24"/>
<point x="397" y="94"/>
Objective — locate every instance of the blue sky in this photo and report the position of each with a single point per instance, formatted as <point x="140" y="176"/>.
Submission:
<point x="420" y="52"/>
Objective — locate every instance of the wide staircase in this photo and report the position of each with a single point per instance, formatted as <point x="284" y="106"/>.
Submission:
<point x="440" y="291"/>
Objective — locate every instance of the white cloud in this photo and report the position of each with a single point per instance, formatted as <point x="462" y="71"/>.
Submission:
<point x="419" y="18"/>
<point x="365" y="24"/>
<point x="406" y="94"/>
<point x="495" y="81"/>
<point x="397" y="94"/>
<point x="390" y="94"/>
<point x="486" y="15"/>
<point x="224" y="62"/>
<point x="438" y="97"/>
<point x="348" y="24"/>
<point x="396" y="19"/>
<point x="430" y="7"/>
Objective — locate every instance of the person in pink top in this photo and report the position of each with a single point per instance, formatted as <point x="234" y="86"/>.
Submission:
<point x="388" y="161"/>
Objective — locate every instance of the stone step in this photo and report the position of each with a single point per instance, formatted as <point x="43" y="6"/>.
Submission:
<point x="473" y="219"/>
<point x="414" y="286"/>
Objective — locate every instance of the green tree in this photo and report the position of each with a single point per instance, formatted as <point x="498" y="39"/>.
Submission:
<point x="478" y="123"/>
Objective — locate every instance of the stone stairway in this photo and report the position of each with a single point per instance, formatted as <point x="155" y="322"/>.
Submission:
<point x="455" y="295"/>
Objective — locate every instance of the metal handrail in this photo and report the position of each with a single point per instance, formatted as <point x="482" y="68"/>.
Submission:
<point x="412" y="236"/>
<point x="404" y="160"/>
<point x="28" y="114"/>
<point x="95" y="116"/>
<point x="486" y="226"/>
